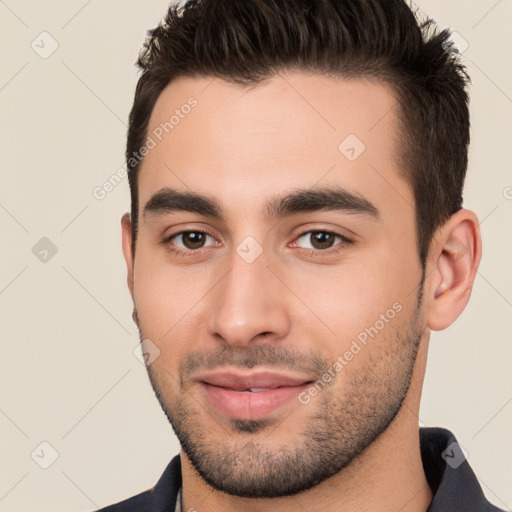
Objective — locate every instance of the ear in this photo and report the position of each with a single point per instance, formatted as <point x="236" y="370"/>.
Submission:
<point x="454" y="257"/>
<point x="126" y="233"/>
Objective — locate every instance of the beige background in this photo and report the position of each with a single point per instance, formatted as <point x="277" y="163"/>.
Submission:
<point x="68" y="375"/>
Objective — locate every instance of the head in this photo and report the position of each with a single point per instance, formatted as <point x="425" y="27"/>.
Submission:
<point x="298" y="224"/>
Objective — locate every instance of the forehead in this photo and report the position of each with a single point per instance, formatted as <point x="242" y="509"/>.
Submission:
<point x="295" y="130"/>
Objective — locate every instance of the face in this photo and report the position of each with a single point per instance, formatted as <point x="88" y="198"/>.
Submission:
<point x="277" y="273"/>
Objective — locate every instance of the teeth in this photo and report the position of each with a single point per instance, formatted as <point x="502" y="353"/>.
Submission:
<point x="254" y="390"/>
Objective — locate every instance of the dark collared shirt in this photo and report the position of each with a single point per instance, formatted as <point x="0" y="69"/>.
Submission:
<point x="453" y="483"/>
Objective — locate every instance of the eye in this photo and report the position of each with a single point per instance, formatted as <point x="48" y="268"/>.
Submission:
<point x="188" y="241"/>
<point x="321" y="241"/>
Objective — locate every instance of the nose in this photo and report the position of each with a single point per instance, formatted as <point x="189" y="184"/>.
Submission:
<point x="250" y="305"/>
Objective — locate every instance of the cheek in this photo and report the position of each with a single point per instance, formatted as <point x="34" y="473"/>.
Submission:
<point x="165" y="295"/>
<point x="350" y="297"/>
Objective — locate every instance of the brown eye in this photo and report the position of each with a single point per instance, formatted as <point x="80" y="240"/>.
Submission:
<point x="193" y="240"/>
<point x="320" y="240"/>
<point x="190" y="239"/>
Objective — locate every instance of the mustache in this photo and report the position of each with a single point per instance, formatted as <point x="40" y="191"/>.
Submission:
<point x="272" y="356"/>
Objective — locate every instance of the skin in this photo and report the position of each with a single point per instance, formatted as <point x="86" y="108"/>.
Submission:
<point x="243" y="147"/>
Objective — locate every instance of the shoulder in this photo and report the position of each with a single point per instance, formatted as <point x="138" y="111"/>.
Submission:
<point x="139" y="502"/>
<point x="454" y="484"/>
<point x="160" y="498"/>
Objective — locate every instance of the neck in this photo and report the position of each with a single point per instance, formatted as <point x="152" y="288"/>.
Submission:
<point x="388" y="476"/>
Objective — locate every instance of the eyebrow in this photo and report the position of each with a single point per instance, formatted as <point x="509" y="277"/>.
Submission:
<point x="332" y="198"/>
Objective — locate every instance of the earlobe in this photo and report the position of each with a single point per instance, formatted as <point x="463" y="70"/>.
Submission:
<point x="135" y="317"/>
<point x="126" y="233"/>
<point x="455" y="256"/>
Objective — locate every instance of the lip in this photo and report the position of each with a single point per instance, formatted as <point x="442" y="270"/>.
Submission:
<point x="254" y="379"/>
<point x="228" y="392"/>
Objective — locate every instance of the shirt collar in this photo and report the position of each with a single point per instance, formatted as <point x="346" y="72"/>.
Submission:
<point x="453" y="483"/>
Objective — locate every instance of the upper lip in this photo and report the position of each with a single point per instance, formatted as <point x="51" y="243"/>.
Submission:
<point x="261" y="379"/>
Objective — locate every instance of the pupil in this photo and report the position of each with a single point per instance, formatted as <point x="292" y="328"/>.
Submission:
<point x="193" y="240"/>
<point x="321" y="240"/>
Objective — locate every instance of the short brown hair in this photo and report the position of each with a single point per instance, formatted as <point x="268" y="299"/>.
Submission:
<point x="247" y="41"/>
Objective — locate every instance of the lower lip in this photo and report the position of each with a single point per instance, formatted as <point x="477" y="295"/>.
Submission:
<point x="250" y="405"/>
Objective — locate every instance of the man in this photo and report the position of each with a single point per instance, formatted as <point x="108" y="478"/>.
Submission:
<point x="296" y="233"/>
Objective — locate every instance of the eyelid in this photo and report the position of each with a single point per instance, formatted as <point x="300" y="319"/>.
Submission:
<point x="310" y="231"/>
<point x="321" y="226"/>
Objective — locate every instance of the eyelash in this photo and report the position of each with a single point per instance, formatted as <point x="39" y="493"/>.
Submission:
<point x="310" y="252"/>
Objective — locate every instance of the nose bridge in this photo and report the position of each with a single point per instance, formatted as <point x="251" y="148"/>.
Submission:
<point x="248" y="302"/>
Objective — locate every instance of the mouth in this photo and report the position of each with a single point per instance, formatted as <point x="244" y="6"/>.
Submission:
<point x="251" y="396"/>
